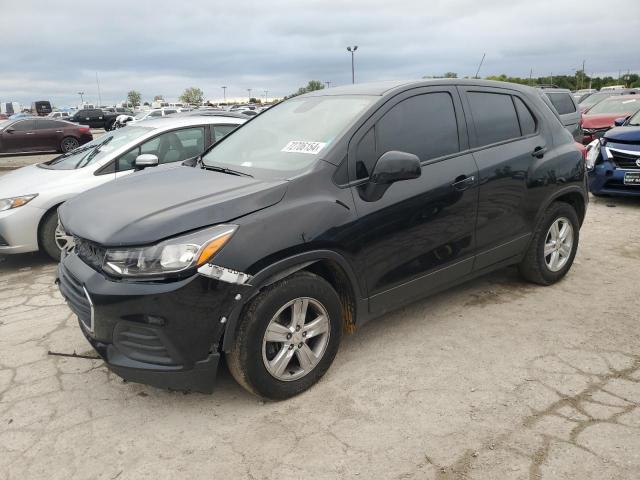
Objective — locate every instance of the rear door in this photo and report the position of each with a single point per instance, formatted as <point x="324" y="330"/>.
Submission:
<point x="419" y="236"/>
<point x="505" y="136"/>
<point x="49" y="133"/>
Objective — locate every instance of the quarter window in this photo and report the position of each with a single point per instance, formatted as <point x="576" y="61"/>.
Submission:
<point x="527" y="121"/>
<point x="494" y="116"/>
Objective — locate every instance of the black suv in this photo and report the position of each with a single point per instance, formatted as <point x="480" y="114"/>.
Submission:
<point x="94" y="118"/>
<point x="321" y="213"/>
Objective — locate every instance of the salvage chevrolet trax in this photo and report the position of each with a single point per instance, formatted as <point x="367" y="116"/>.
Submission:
<point x="317" y="215"/>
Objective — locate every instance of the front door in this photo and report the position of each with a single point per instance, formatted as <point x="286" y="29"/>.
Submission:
<point x="21" y="137"/>
<point x="419" y="236"/>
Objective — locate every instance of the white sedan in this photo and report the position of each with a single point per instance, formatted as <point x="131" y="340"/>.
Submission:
<point x="122" y="120"/>
<point x="30" y="196"/>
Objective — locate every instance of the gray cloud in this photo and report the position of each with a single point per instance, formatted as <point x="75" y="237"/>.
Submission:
<point x="54" y="49"/>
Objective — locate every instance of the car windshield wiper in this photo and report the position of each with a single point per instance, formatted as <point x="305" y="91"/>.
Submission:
<point x="228" y="171"/>
<point x="96" y="150"/>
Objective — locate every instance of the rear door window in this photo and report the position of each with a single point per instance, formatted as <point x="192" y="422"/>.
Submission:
<point x="45" y="124"/>
<point x="494" y="117"/>
<point x="563" y="102"/>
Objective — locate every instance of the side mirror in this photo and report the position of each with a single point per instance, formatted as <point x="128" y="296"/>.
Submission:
<point x="391" y="167"/>
<point x="9" y="130"/>
<point x="620" y="121"/>
<point x="145" y="160"/>
<point x="395" y="166"/>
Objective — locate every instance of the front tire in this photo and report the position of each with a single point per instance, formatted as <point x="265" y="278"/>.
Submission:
<point x="288" y="337"/>
<point x="553" y="247"/>
<point x="52" y="240"/>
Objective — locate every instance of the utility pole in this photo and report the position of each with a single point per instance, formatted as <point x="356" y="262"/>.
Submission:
<point x="531" y="77"/>
<point x="266" y="92"/>
<point x="481" y="62"/>
<point x="81" y="98"/>
<point x="328" y="84"/>
<point x="353" y="71"/>
<point x="99" y="96"/>
<point x="224" y="94"/>
<point x="551" y="78"/>
<point x="249" y="90"/>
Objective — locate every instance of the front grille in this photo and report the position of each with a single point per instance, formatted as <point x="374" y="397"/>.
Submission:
<point x="76" y="296"/>
<point x="142" y="343"/>
<point x="625" y="160"/>
<point x="90" y="253"/>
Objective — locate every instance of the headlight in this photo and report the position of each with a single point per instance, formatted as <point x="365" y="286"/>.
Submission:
<point x="15" y="202"/>
<point x="171" y="256"/>
<point x="593" y="152"/>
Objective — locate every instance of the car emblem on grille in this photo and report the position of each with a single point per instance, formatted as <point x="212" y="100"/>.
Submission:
<point x="638" y="162"/>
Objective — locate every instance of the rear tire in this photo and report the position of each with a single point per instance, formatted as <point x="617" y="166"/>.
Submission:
<point x="301" y="300"/>
<point x="551" y="252"/>
<point x="69" y="143"/>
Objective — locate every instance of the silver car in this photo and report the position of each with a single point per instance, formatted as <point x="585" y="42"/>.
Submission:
<point x="30" y="196"/>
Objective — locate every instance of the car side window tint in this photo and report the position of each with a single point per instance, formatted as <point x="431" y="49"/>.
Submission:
<point x="24" y="126"/>
<point x="424" y="125"/>
<point x="157" y="113"/>
<point x="494" y="116"/>
<point x="366" y="154"/>
<point x="125" y="162"/>
<point x="562" y="102"/>
<point x="221" y="131"/>
<point x="43" y="124"/>
<point x="174" y="146"/>
<point x="527" y="120"/>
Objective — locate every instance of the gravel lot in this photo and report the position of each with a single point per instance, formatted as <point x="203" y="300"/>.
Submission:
<point x="497" y="379"/>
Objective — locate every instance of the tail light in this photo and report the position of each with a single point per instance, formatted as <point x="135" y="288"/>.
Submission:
<point x="84" y="129"/>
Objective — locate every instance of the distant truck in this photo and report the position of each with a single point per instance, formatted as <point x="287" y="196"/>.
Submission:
<point x="9" y="108"/>
<point x="41" y="108"/>
<point x="94" y="118"/>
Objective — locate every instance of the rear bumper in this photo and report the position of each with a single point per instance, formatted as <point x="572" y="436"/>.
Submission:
<point x="19" y="229"/>
<point x="165" y="334"/>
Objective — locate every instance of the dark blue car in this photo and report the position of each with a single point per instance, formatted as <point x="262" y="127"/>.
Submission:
<point x="613" y="161"/>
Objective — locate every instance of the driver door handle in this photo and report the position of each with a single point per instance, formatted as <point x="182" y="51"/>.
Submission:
<point x="539" y="152"/>
<point x="463" y="182"/>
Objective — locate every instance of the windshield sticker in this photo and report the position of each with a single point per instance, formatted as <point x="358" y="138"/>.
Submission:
<point x="299" y="146"/>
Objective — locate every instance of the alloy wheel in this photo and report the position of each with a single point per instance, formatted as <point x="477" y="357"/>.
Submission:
<point x="63" y="241"/>
<point x="69" y="144"/>
<point x="558" y="244"/>
<point x="296" y="339"/>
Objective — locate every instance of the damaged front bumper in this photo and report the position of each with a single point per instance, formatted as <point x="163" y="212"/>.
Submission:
<point x="165" y="334"/>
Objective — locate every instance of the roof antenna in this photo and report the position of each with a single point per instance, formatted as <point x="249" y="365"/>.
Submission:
<point x="481" y="62"/>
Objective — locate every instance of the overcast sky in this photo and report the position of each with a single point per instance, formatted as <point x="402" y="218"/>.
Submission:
<point x="52" y="50"/>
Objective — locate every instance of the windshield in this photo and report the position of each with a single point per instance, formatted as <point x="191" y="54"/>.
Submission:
<point x="289" y="137"/>
<point x="616" y="105"/>
<point x="595" y="98"/>
<point x="634" y="121"/>
<point x="97" y="149"/>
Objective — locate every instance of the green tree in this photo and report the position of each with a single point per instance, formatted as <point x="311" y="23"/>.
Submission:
<point x="312" y="86"/>
<point x="192" y="95"/>
<point x="255" y="100"/>
<point x="450" y="75"/>
<point x="134" y="98"/>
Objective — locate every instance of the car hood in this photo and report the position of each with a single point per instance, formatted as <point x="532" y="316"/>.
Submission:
<point x="624" y="134"/>
<point x="33" y="179"/>
<point x="601" y="120"/>
<point x="147" y="207"/>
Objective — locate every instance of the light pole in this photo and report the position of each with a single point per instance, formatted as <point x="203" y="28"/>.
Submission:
<point x="81" y="98"/>
<point x="328" y="83"/>
<point x="249" y="90"/>
<point x="224" y="94"/>
<point x="266" y="92"/>
<point x="353" y="72"/>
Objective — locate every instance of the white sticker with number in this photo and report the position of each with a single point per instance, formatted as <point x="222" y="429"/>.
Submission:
<point x="299" y="146"/>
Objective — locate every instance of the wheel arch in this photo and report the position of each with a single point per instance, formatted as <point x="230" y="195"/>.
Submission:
<point x="327" y="264"/>
<point x="573" y="195"/>
<point x="42" y="219"/>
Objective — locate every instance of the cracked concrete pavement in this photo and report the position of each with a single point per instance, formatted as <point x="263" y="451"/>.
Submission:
<point x="496" y="379"/>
